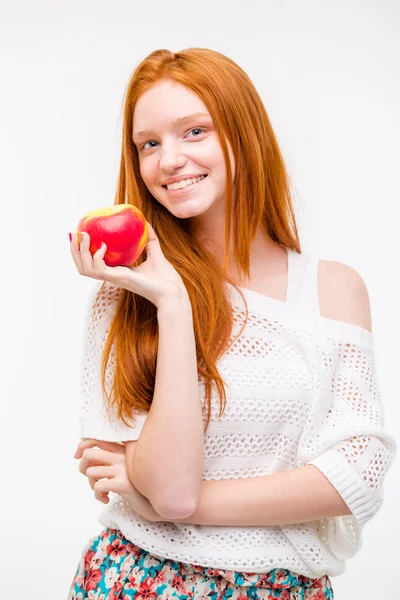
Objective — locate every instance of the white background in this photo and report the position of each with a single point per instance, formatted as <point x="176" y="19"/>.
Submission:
<point x="328" y="74"/>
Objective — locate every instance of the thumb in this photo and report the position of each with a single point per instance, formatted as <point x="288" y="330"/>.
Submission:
<point x="152" y="244"/>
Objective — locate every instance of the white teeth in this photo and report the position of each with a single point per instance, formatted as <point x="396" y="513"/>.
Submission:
<point x="185" y="182"/>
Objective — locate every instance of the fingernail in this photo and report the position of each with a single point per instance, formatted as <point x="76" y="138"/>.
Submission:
<point x="70" y="237"/>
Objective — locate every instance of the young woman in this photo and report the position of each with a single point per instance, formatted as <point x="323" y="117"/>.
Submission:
<point x="229" y="394"/>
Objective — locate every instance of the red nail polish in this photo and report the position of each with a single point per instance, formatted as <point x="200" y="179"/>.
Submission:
<point x="70" y="237"/>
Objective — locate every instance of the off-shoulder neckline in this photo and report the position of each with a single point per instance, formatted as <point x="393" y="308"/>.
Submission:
<point x="281" y="310"/>
<point x="294" y="317"/>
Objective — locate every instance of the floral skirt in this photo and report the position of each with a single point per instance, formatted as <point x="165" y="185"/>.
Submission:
<point x="111" y="568"/>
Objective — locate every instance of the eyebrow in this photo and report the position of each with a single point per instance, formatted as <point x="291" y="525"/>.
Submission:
<point x="179" y="121"/>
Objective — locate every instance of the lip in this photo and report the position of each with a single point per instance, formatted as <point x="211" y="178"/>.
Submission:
<point x="188" y="188"/>
<point x="181" y="178"/>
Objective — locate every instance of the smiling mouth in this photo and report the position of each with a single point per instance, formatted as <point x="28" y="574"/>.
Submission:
<point x="189" y="183"/>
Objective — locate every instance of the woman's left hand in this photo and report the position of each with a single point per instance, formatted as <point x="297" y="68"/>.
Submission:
<point x="105" y="468"/>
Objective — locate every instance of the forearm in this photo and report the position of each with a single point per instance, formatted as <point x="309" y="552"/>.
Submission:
<point x="167" y="465"/>
<point x="295" y="496"/>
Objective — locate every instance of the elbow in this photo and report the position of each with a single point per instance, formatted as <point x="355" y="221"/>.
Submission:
<point x="174" y="510"/>
<point x="166" y="497"/>
<point x="168" y="505"/>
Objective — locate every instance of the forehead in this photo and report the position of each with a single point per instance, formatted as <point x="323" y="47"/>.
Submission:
<point x="163" y="103"/>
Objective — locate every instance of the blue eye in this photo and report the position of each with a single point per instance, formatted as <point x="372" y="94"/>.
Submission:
<point x="196" y="129"/>
<point x="151" y="142"/>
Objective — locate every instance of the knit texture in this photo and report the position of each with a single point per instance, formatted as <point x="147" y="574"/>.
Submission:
<point x="301" y="389"/>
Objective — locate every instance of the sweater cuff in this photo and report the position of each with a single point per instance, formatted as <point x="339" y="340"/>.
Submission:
<point x="102" y="429"/>
<point x="348" y="483"/>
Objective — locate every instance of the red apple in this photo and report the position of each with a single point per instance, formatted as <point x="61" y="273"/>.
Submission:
<point x="121" y="227"/>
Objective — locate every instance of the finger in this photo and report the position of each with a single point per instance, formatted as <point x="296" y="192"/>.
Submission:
<point x="117" y="485"/>
<point x="105" y="486"/>
<point x="92" y="456"/>
<point x="152" y="245"/>
<point x="88" y="461"/>
<point x="76" y="255"/>
<point x="86" y="257"/>
<point x="98" y="259"/>
<point x="84" y="464"/>
<point x="90" y="443"/>
<point x="98" y="472"/>
<point x="102" y="497"/>
<point x="99" y="496"/>
<point x="151" y="234"/>
<point x="86" y="443"/>
<point x="81" y="446"/>
<point x="102" y="457"/>
<point x="92" y="481"/>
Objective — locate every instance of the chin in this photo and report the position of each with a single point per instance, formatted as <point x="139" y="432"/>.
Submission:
<point x="188" y="208"/>
<point x="186" y="212"/>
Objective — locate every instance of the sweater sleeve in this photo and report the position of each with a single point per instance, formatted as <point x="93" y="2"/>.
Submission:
<point x="93" y="418"/>
<point x="345" y="437"/>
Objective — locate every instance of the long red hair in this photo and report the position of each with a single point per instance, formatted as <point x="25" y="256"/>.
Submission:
<point x="262" y="197"/>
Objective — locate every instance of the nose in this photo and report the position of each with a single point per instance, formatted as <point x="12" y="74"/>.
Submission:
<point x="172" y="158"/>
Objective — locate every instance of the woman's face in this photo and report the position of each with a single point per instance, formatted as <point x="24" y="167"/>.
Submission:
<point x="180" y="156"/>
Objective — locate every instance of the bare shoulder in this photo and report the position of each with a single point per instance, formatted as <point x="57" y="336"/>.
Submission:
<point x="343" y="295"/>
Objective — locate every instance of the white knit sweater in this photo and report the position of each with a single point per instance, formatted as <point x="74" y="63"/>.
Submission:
<point x="301" y="389"/>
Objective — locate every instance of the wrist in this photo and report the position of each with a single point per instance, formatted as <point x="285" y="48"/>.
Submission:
<point x="175" y="304"/>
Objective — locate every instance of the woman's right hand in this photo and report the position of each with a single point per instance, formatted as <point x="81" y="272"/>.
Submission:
<point x="104" y="464"/>
<point x="155" y="279"/>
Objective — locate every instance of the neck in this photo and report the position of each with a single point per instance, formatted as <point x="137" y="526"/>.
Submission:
<point x="266" y="256"/>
